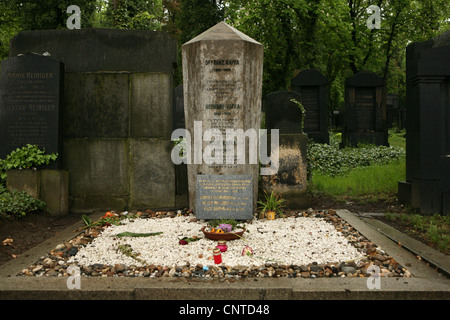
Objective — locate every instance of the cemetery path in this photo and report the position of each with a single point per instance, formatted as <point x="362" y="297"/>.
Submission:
<point x="33" y="229"/>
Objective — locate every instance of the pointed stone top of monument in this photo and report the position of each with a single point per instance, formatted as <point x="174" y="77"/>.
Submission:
<point x="222" y="31"/>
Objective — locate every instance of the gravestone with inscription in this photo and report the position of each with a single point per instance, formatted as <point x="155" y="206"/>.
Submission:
<point x="291" y="178"/>
<point x="222" y="82"/>
<point x="312" y="87"/>
<point x="427" y="185"/>
<point x="30" y="96"/>
<point x="365" y="110"/>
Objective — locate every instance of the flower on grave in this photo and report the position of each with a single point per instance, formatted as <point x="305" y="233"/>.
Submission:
<point x="225" y="227"/>
<point x="247" y="251"/>
<point x="186" y="240"/>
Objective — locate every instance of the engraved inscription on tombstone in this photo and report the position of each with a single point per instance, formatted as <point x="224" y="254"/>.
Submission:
<point x="30" y="93"/>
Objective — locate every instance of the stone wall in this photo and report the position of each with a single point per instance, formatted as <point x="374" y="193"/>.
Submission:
<point x="116" y="114"/>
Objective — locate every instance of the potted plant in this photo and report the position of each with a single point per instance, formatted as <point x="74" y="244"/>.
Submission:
<point x="271" y="206"/>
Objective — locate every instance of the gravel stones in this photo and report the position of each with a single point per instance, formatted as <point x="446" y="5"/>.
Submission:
<point x="306" y="244"/>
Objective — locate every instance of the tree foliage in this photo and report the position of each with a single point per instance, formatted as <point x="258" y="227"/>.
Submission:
<point x="328" y="35"/>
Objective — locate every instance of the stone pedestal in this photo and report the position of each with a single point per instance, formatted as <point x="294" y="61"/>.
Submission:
<point x="48" y="185"/>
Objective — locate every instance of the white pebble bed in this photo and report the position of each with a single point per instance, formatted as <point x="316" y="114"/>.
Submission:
<point x="290" y="241"/>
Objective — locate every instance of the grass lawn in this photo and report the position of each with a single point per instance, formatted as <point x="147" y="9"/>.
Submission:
<point x="357" y="174"/>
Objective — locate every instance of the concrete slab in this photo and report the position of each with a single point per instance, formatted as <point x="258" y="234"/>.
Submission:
<point x="426" y="282"/>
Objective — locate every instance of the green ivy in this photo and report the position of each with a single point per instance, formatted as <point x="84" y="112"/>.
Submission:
<point x="27" y="157"/>
<point x="329" y="159"/>
<point x="18" y="204"/>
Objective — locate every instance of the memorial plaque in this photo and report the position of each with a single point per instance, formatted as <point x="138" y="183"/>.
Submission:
<point x="224" y="197"/>
<point x="30" y="93"/>
<point x="222" y="84"/>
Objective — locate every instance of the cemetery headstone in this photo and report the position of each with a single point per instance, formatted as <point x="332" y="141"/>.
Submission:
<point x="31" y="90"/>
<point x="312" y="87"/>
<point x="365" y="110"/>
<point x="222" y="82"/>
<point x="427" y="185"/>
<point x="291" y="178"/>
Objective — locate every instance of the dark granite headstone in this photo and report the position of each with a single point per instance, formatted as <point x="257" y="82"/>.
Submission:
<point x="312" y="87"/>
<point x="392" y="109"/>
<point x="224" y="197"/>
<point x="178" y="108"/>
<point x="427" y="185"/>
<point x="30" y="93"/>
<point x="365" y="110"/>
<point x="283" y="114"/>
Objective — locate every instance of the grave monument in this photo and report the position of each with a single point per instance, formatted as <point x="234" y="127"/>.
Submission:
<point x="365" y="110"/>
<point x="222" y="82"/>
<point x="291" y="178"/>
<point x="31" y="92"/>
<point x="312" y="87"/>
<point x="427" y="185"/>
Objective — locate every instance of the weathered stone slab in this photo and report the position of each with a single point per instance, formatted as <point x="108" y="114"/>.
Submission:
<point x="222" y="83"/>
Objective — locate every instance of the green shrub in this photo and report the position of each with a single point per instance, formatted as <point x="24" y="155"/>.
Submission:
<point x="331" y="160"/>
<point x="18" y="204"/>
<point x="27" y="157"/>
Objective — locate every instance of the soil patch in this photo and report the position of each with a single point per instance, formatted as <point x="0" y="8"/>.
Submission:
<point x="29" y="231"/>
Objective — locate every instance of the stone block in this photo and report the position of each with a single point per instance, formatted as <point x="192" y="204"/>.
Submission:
<point x="28" y="180"/>
<point x="91" y="50"/>
<point x="55" y="191"/>
<point x="96" y="105"/>
<point x="152" y="175"/>
<point x="151" y="105"/>
<point x="97" y="166"/>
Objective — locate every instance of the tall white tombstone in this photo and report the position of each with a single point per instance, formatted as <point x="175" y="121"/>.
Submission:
<point x="222" y="81"/>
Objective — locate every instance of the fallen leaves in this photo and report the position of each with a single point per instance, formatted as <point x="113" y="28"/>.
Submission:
<point x="7" y="242"/>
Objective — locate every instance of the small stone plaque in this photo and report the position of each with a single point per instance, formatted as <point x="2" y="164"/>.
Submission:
<point x="224" y="197"/>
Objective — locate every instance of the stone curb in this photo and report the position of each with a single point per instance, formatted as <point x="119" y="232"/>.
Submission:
<point x="426" y="282"/>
